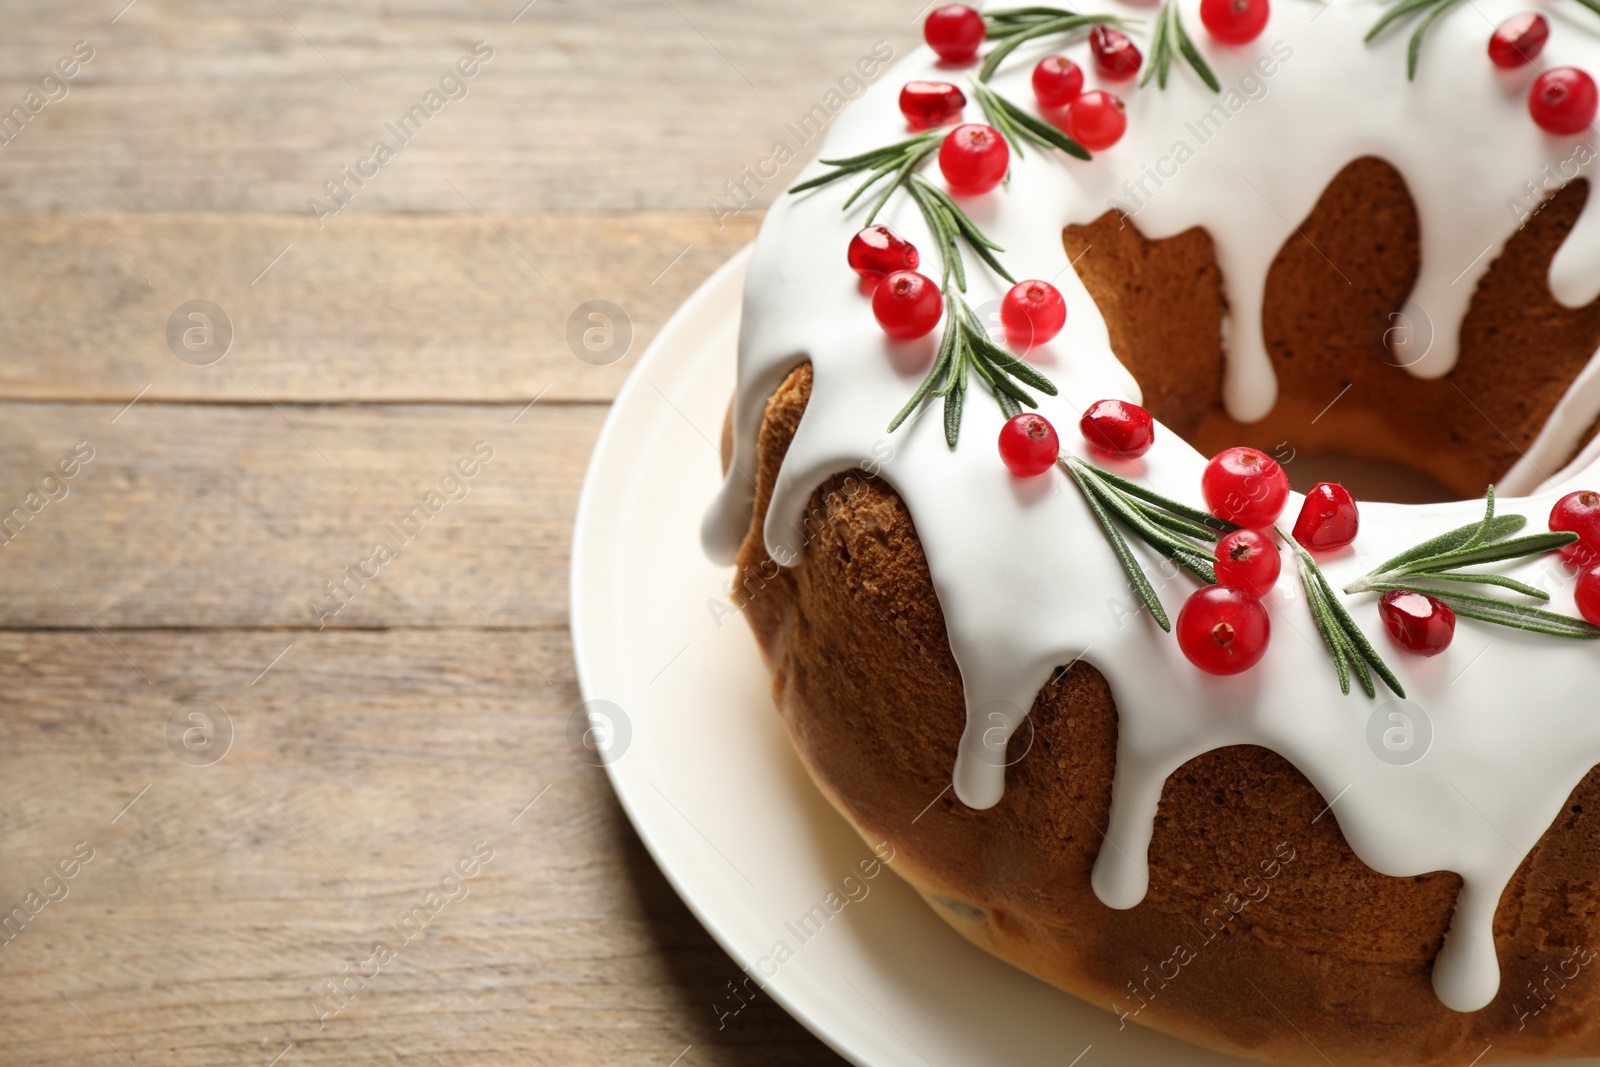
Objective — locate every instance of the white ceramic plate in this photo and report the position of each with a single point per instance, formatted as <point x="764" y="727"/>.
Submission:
<point x="700" y="761"/>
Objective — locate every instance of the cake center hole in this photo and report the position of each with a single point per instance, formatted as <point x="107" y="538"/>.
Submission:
<point x="1367" y="479"/>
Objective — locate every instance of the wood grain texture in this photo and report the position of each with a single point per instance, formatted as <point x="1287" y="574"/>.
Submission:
<point x="415" y="307"/>
<point x="206" y="105"/>
<point x="363" y="767"/>
<point x="174" y="571"/>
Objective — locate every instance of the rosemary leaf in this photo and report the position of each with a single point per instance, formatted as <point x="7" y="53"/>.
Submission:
<point x="1475" y="578"/>
<point x="913" y="160"/>
<point x="1018" y="126"/>
<point x="1492" y="552"/>
<point x="1414" y="49"/>
<point x="878" y="174"/>
<point x="1006" y="394"/>
<point x="1160" y="51"/>
<point x="956" y="397"/>
<point x="1337" y="627"/>
<point x="1328" y="628"/>
<point x="1502" y="526"/>
<point x="1044" y="27"/>
<point x="1130" y="566"/>
<point x="1006" y="362"/>
<point x="1191" y="53"/>
<point x="1193" y="514"/>
<point x="1515" y="616"/>
<point x="1394" y="14"/>
<point x="1175" y="524"/>
<point x="964" y="225"/>
<point x="1181" y="552"/>
<point x="1354" y="634"/>
<point x="1482" y="531"/>
<point x="941" y="364"/>
<point x="878" y="155"/>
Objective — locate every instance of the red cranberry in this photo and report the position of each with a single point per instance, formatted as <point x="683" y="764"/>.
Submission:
<point x="1057" y="81"/>
<point x="1563" y="101"/>
<point x="1328" y="519"/>
<point x="1118" y="427"/>
<point x="1235" y="21"/>
<point x="1245" y="486"/>
<point x="928" y="104"/>
<point x="1418" y="622"/>
<point x="973" y="159"/>
<point x="1222" y="630"/>
<point x="1115" y="55"/>
<point x="1096" y="120"/>
<point x="1029" y="445"/>
<point x="1588" y="595"/>
<point x="1032" y="313"/>
<point x="1579" y="513"/>
<point x="1248" y="560"/>
<point x="878" y="250"/>
<point x="907" y="305"/>
<point x="954" y="31"/>
<point x="1519" y="40"/>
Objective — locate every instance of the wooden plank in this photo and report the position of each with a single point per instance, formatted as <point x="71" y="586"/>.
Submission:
<point x="216" y="516"/>
<point x="430" y="307"/>
<point x="622" y="106"/>
<point x="216" y="905"/>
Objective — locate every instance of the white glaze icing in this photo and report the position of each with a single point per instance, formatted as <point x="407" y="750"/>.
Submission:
<point x="1023" y="574"/>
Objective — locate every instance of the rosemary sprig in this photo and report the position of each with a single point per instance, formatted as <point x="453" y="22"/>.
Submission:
<point x="1018" y="126"/>
<point x="1347" y="644"/>
<point x="1435" y="565"/>
<point x="948" y="222"/>
<point x="1431" y="10"/>
<point x="966" y="347"/>
<point x="1012" y="27"/>
<point x="1170" y="37"/>
<point x="1171" y="528"/>
<point x="896" y="162"/>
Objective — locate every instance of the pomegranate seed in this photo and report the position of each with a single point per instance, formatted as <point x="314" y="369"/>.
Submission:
<point x="1118" y="427"/>
<point x="1096" y="120"/>
<point x="878" y="250"/>
<point x="1418" y="622"/>
<point x="1588" y="595"/>
<point x="1519" y="40"/>
<point x="954" y="31"/>
<point x="1235" y="21"/>
<point x="1563" y="100"/>
<point x="1328" y="519"/>
<point x="1057" y="81"/>
<point x="1032" y="313"/>
<point x="929" y="104"/>
<point x="1222" y="630"/>
<point x="907" y="305"/>
<point x="1115" y="55"/>
<point x="1245" y="486"/>
<point x="1029" y="445"/>
<point x="1248" y="560"/>
<point x="1579" y="513"/>
<point x="973" y="159"/>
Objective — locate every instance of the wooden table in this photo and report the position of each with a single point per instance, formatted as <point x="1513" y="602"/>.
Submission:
<point x="174" y="590"/>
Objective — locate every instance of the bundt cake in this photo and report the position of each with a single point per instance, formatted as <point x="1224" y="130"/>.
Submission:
<point x="1352" y="232"/>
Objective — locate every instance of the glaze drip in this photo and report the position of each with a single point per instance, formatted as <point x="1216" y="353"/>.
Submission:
<point x="1305" y="99"/>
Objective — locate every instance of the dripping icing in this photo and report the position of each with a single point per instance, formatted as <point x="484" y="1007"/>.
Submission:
<point x="1492" y="782"/>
